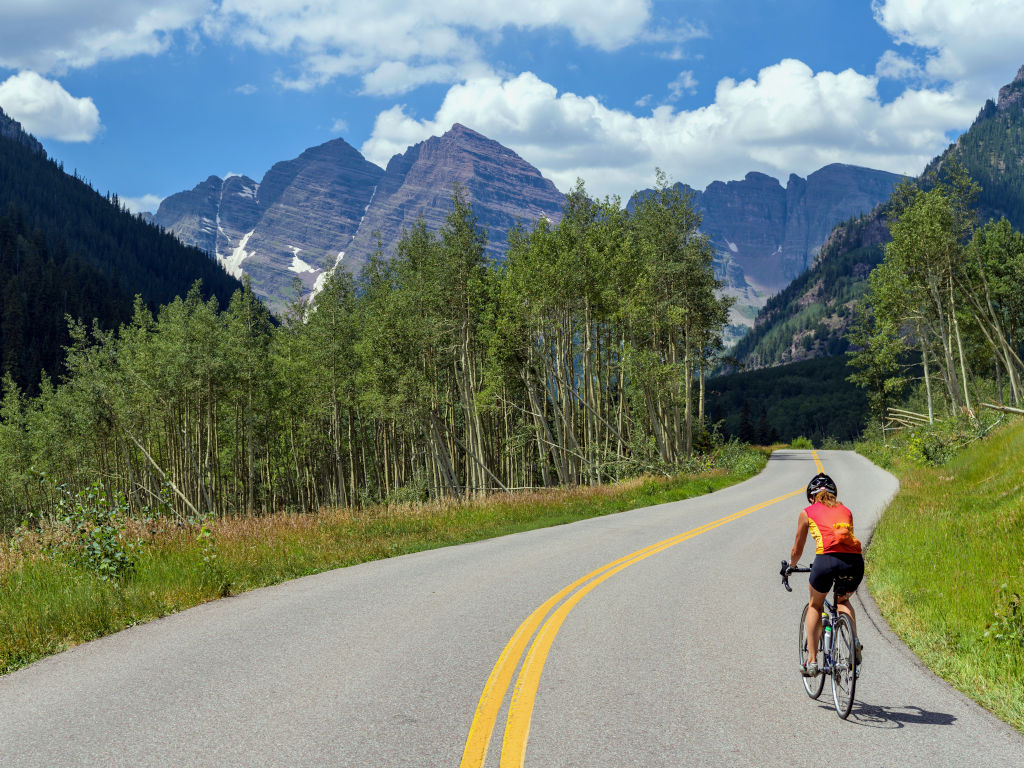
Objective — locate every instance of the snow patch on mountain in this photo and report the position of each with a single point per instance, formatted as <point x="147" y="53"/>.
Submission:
<point x="298" y="265"/>
<point x="322" y="277"/>
<point x="233" y="263"/>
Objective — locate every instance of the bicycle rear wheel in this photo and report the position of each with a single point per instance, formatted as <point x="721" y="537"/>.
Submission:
<point x="813" y="685"/>
<point x="844" y="666"/>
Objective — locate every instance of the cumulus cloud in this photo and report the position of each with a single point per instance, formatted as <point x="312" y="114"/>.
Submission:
<point x="896" y="67"/>
<point x="395" y="45"/>
<point x="976" y="44"/>
<point x="54" y="35"/>
<point x="788" y="119"/>
<point x="46" y="110"/>
<point x="248" y="89"/>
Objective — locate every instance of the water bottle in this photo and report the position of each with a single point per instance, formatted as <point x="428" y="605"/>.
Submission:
<point x="827" y="638"/>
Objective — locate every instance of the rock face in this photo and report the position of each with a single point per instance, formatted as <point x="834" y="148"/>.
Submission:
<point x="11" y="129"/>
<point x="326" y="207"/>
<point x="502" y="187"/>
<point x="766" y="235"/>
<point x="1012" y="93"/>
<point x="297" y="219"/>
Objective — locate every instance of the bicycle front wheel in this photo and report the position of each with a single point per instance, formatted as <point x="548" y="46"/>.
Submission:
<point x="813" y="685"/>
<point x="844" y="665"/>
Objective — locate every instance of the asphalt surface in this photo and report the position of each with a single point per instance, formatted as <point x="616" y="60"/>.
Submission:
<point x="687" y="658"/>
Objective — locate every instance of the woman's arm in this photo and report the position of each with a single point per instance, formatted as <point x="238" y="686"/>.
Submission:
<point x="802" y="527"/>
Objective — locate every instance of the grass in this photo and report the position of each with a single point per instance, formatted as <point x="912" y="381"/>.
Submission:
<point x="49" y="603"/>
<point x="948" y="555"/>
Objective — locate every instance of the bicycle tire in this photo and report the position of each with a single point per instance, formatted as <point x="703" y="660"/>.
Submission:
<point x="812" y="685"/>
<point x="844" y="666"/>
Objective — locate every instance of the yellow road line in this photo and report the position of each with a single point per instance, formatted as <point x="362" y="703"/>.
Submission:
<point x="817" y="461"/>
<point x="517" y="727"/>
<point x="521" y="709"/>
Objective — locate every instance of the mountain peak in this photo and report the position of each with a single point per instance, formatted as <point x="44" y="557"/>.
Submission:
<point x="458" y="129"/>
<point x="1012" y="93"/>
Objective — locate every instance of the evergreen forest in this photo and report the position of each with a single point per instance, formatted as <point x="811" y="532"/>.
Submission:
<point x="67" y="250"/>
<point x="813" y="399"/>
<point x="580" y="359"/>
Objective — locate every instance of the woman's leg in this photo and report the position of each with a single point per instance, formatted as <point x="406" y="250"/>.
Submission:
<point x="813" y="625"/>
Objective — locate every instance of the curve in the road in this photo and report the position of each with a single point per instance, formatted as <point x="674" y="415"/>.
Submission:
<point x="517" y="727"/>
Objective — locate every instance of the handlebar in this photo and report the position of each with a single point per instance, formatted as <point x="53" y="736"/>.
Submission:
<point x="787" y="569"/>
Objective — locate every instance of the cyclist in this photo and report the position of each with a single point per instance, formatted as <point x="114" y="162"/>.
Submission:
<point x="838" y="560"/>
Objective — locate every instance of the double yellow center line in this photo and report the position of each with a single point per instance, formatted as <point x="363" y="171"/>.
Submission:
<point x="549" y="619"/>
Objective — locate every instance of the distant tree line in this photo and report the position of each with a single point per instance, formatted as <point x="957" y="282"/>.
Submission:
<point x="812" y="398"/>
<point x="579" y="359"/>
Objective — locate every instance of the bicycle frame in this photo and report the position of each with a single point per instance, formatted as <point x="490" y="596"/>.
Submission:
<point x="828" y="619"/>
<point x="844" y="674"/>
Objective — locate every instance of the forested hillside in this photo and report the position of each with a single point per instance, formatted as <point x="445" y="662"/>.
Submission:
<point x="64" y="248"/>
<point x="810" y="317"/>
<point x="813" y="399"/>
<point x="992" y="153"/>
<point x="578" y="360"/>
<point x="807" y="319"/>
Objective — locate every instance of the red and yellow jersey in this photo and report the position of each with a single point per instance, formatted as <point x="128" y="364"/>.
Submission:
<point x="832" y="528"/>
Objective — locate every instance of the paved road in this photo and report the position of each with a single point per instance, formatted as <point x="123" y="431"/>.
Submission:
<point x="684" y="658"/>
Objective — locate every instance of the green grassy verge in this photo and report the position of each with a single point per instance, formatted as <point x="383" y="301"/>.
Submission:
<point x="48" y="603"/>
<point x="947" y="559"/>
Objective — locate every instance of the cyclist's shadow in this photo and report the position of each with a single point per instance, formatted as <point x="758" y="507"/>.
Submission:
<point x="878" y="716"/>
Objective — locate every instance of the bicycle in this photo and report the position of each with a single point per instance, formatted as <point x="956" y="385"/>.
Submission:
<point x="837" y="655"/>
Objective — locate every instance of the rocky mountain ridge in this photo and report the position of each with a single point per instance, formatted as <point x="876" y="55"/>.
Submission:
<point x="766" y="235"/>
<point x="503" y="188"/>
<point x="809" y="318"/>
<point x="329" y="206"/>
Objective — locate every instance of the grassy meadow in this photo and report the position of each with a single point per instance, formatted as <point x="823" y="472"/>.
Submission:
<point x="946" y="564"/>
<point x="49" y="602"/>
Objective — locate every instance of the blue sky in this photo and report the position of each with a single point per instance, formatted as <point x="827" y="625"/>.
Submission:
<point x="148" y="98"/>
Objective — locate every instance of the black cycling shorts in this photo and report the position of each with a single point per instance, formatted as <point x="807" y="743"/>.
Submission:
<point x="845" y="570"/>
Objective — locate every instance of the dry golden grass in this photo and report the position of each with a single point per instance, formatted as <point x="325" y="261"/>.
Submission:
<point x="49" y="602"/>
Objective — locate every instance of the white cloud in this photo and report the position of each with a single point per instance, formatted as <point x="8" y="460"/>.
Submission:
<point x="685" y="83"/>
<point x="395" y="77"/>
<point x="55" y="35"/>
<point x="789" y="119"/>
<point x="142" y="204"/>
<point x="683" y="32"/>
<point x="396" y="45"/>
<point x="975" y="44"/>
<point x="46" y="110"/>
<point x="246" y="90"/>
<point x="896" y="67"/>
<point x="339" y="126"/>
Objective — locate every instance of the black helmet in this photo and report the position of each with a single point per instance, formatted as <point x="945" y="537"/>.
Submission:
<point x="820" y="482"/>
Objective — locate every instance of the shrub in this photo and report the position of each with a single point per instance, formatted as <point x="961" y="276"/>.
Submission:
<point x="735" y="456"/>
<point x="802" y="443"/>
<point x="1007" y="625"/>
<point x="94" y="524"/>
